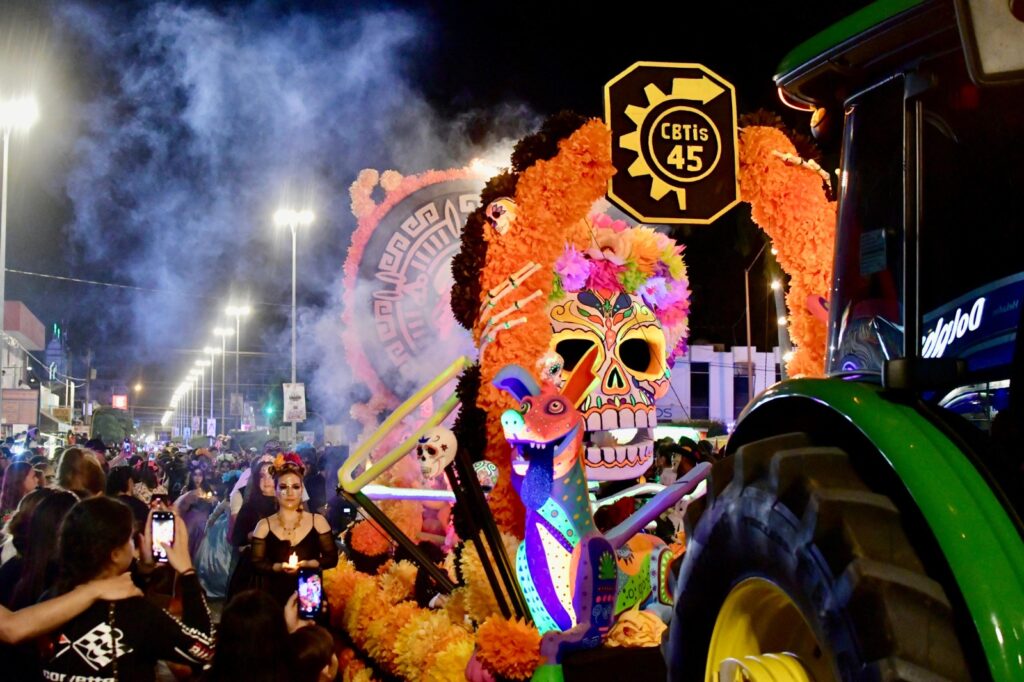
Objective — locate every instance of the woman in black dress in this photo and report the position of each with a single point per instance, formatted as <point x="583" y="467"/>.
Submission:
<point x="259" y="503"/>
<point x="291" y="538"/>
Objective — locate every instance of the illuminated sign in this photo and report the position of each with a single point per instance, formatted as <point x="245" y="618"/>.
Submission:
<point x="979" y="327"/>
<point x="119" y="402"/>
<point x="674" y="143"/>
<point x="936" y="341"/>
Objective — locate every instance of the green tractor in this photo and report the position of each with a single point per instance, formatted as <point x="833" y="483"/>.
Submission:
<point x="867" y="526"/>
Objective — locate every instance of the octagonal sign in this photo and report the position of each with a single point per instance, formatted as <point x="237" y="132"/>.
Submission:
<point x="674" y="143"/>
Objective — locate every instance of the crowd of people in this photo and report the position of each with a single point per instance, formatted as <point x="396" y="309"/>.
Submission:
<point x="88" y="593"/>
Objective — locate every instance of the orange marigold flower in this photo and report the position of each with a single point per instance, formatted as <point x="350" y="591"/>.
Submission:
<point x="509" y="648"/>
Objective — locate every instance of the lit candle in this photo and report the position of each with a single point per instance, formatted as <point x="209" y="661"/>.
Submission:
<point x="293" y="560"/>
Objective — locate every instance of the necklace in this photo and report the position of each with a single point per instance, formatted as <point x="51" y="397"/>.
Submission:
<point x="291" y="530"/>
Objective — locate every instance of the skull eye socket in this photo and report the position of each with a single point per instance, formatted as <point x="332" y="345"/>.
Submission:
<point x="524" y="407"/>
<point x="556" y="407"/>
<point x="431" y="451"/>
<point x="636" y="355"/>
<point x="572" y="351"/>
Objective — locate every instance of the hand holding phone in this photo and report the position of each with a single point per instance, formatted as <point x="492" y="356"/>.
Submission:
<point x="311" y="593"/>
<point x="162" y="532"/>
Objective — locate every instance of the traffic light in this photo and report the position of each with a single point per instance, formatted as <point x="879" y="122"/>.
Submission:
<point x="269" y="409"/>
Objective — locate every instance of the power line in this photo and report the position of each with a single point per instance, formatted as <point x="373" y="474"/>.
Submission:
<point x="115" y="285"/>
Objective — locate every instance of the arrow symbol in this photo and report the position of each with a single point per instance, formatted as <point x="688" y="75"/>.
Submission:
<point x="702" y="89"/>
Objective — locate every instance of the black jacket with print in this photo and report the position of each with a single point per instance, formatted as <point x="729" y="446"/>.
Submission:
<point x="122" y="641"/>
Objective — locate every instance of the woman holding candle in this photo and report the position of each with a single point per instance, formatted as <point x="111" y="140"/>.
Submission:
<point x="195" y="506"/>
<point x="291" y="538"/>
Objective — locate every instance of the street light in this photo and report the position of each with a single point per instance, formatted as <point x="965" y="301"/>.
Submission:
<point x="286" y="217"/>
<point x="223" y="333"/>
<point x="213" y="353"/>
<point x="238" y="312"/>
<point x="15" y="114"/>
<point x="202" y="365"/>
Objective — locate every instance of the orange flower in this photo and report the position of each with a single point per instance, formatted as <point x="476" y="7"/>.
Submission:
<point x="369" y="539"/>
<point x="509" y="648"/>
<point x="790" y="205"/>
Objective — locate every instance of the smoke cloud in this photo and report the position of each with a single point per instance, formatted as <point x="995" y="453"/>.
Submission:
<point x="203" y="122"/>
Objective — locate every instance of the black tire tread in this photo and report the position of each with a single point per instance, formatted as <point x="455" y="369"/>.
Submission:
<point x="810" y="498"/>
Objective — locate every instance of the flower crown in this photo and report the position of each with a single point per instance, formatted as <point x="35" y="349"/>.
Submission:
<point x="287" y="463"/>
<point x="635" y="260"/>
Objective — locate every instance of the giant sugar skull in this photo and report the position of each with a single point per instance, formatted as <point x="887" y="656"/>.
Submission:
<point x="620" y="415"/>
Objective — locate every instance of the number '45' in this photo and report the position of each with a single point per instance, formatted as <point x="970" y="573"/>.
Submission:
<point x="691" y="162"/>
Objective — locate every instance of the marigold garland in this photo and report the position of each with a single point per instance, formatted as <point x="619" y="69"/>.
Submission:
<point x="425" y="634"/>
<point x="509" y="648"/>
<point x="480" y="602"/>
<point x="553" y="197"/>
<point x="789" y="203"/>
<point x="449" y="664"/>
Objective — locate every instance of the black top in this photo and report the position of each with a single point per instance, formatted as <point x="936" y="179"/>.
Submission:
<point x="273" y="550"/>
<point x="123" y="640"/>
<point x="249" y="515"/>
<point x="10" y="573"/>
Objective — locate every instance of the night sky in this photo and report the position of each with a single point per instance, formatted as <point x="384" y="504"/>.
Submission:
<point x="170" y="131"/>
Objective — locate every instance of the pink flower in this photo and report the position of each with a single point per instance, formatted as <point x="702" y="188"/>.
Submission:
<point x="602" y="221"/>
<point x="604" y="275"/>
<point x="573" y="268"/>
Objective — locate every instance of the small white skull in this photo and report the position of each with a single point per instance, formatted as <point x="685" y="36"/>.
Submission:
<point x="500" y="214"/>
<point x="435" y="450"/>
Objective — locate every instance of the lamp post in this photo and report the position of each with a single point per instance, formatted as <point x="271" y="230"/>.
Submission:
<point x="223" y="333"/>
<point x="15" y="114"/>
<point x="202" y="365"/>
<point x="292" y="219"/>
<point x="746" y="288"/>
<point x="213" y="352"/>
<point x="238" y="312"/>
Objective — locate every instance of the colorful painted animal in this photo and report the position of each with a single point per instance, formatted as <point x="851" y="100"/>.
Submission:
<point x="576" y="580"/>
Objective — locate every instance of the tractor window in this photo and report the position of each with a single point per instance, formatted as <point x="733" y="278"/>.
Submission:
<point x="972" y="271"/>
<point x="865" y="308"/>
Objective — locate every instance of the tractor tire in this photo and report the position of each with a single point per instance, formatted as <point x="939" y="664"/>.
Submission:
<point x="799" y="517"/>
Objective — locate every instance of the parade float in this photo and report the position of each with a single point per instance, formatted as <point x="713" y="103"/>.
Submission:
<point x="850" y="512"/>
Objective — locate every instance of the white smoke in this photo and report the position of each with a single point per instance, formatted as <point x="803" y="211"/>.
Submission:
<point x="204" y="122"/>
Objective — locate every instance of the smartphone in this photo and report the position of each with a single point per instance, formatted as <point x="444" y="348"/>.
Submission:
<point x="162" y="530"/>
<point x="311" y="593"/>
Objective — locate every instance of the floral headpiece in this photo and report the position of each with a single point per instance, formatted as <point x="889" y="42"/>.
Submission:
<point x="635" y="260"/>
<point x="287" y="463"/>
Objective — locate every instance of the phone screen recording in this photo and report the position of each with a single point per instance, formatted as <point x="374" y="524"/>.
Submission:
<point x="310" y="593"/>
<point x="162" y="531"/>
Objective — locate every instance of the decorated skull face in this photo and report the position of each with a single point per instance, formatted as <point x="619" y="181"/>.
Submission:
<point x="620" y="415"/>
<point x="500" y="214"/>
<point x="435" y="450"/>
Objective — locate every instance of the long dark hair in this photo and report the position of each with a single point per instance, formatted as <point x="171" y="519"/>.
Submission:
<point x="39" y="567"/>
<point x="18" y="526"/>
<point x="92" y="530"/>
<point x="252" y="641"/>
<point x="205" y="485"/>
<point x="252" y="488"/>
<point x="14" y="485"/>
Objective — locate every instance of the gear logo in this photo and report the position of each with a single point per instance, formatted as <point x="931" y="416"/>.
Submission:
<point x="674" y="132"/>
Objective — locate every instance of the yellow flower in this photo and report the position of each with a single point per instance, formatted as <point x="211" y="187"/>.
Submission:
<point x="449" y="665"/>
<point x="398" y="581"/>
<point x="643" y="244"/>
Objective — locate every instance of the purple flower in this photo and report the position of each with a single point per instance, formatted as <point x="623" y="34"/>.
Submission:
<point x="573" y="268"/>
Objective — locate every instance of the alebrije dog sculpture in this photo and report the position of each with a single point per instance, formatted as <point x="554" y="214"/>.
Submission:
<point x="576" y="580"/>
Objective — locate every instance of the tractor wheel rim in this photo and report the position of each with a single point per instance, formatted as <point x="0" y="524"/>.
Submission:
<point x="761" y="635"/>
